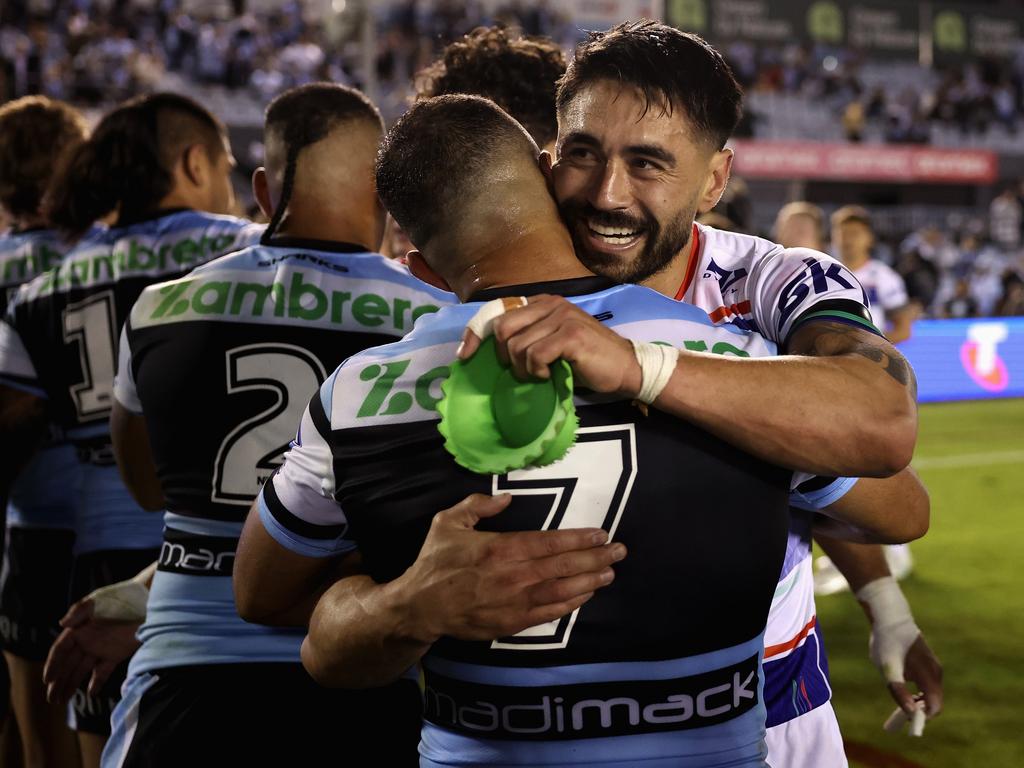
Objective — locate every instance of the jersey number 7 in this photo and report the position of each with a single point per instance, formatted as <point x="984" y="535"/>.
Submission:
<point x="589" y="488"/>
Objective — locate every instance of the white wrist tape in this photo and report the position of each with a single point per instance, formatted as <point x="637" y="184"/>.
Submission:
<point x="482" y="323"/>
<point x="893" y="630"/>
<point x="125" y="600"/>
<point x="657" y="362"/>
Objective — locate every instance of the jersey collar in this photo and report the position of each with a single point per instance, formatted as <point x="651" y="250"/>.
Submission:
<point x="309" y="244"/>
<point x="691" y="265"/>
<point x="151" y="216"/>
<point x="577" y="286"/>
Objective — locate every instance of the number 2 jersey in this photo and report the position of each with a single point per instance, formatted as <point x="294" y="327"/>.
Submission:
<point x="755" y="284"/>
<point x="59" y="341"/>
<point x="660" y="668"/>
<point x="221" y="363"/>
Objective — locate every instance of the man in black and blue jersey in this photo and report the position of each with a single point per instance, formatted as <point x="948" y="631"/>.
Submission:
<point x="36" y="133"/>
<point x="632" y="671"/>
<point x="162" y="163"/>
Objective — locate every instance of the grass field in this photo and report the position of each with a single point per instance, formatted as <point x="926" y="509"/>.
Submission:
<point x="967" y="592"/>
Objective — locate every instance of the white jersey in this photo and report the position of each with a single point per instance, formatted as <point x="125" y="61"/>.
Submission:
<point x="885" y="289"/>
<point x="759" y="285"/>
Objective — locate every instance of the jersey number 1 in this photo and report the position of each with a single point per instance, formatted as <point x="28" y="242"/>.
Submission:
<point x="589" y="488"/>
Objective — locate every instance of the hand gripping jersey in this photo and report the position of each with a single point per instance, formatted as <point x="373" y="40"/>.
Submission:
<point x="59" y="337"/>
<point x="756" y="284"/>
<point x="663" y="666"/>
<point x="36" y="501"/>
<point x="243" y="341"/>
<point x="885" y="289"/>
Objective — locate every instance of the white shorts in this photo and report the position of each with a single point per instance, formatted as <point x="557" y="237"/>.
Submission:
<point x="808" y="741"/>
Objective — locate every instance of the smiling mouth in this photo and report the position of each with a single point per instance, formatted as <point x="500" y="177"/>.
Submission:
<point x="615" y="237"/>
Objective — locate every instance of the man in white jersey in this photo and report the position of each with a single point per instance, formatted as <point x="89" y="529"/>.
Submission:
<point x="852" y="241"/>
<point x="644" y="112"/>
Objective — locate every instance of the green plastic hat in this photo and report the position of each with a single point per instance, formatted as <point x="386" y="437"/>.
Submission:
<point x="493" y="423"/>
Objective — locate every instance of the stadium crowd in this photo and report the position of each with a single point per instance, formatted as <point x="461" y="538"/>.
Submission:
<point x="302" y="590"/>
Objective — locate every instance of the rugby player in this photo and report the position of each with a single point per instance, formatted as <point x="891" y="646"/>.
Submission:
<point x="35" y="134"/>
<point x="793" y="637"/>
<point x="644" y="113"/>
<point x="162" y="162"/>
<point x="274" y="319"/>
<point x="446" y="172"/>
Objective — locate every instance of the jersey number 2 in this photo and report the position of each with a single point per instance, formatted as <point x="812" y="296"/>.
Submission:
<point x="589" y="488"/>
<point x="254" y="449"/>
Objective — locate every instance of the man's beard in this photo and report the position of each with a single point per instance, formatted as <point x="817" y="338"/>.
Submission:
<point x="660" y="245"/>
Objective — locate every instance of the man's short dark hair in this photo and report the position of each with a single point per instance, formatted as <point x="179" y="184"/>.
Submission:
<point x="436" y="157"/>
<point x="672" y="69"/>
<point x="302" y="116"/>
<point x="520" y="75"/>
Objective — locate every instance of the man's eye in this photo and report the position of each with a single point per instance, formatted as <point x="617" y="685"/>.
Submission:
<point x="579" y="153"/>
<point x="644" y="165"/>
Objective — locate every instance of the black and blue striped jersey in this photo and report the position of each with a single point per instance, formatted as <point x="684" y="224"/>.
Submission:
<point x="36" y="501"/>
<point x="662" y="666"/>
<point x="244" y="341"/>
<point x="58" y="340"/>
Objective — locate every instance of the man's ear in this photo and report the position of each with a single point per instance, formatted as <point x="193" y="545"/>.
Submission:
<point x="261" y="191"/>
<point x="544" y="163"/>
<point x="420" y="269"/>
<point x="719" y="171"/>
<point x="196" y="164"/>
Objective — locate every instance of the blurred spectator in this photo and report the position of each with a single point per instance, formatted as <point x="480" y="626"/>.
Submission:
<point x="1012" y="301"/>
<point x="852" y="242"/>
<point x="800" y="225"/>
<point x="962" y="305"/>
<point x="1004" y="219"/>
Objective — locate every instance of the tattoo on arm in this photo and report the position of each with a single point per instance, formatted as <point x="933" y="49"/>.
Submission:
<point x="828" y="339"/>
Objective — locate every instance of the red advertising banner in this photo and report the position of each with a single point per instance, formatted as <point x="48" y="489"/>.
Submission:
<point x="858" y="162"/>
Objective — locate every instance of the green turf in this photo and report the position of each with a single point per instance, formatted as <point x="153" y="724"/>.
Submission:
<point x="967" y="594"/>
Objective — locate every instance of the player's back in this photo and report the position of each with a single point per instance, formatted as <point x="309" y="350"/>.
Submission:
<point x="60" y="340"/>
<point x="663" y="665"/>
<point x="221" y="363"/>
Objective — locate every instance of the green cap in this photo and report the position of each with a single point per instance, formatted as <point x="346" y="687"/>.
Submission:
<point x="493" y="423"/>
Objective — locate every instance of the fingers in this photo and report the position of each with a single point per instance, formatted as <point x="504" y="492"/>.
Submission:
<point x="64" y="655"/>
<point x="468" y="346"/>
<point x="903" y="697"/>
<point x="568" y="564"/>
<point x="924" y="669"/>
<point x="78" y="614"/>
<point x="468" y="512"/>
<point x="100" y="675"/>
<point x="555" y="591"/>
<point x="533" y="545"/>
<point x="545" y="613"/>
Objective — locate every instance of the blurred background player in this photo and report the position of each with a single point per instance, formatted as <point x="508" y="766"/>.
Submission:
<point x="36" y="133"/>
<point x="852" y="243"/>
<point x="280" y="315"/>
<point x="162" y="162"/>
<point x="892" y="312"/>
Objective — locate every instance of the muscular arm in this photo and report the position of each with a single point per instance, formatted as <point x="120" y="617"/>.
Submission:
<point x="891" y="510"/>
<point x="469" y="584"/>
<point x="134" y="456"/>
<point x="274" y="585"/>
<point x="843" y="402"/>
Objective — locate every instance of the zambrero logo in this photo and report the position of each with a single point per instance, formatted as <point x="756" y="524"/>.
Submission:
<point x="979" y="356"/>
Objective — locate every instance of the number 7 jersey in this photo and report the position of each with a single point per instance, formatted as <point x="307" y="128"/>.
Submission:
<point x="662" y="666"/>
